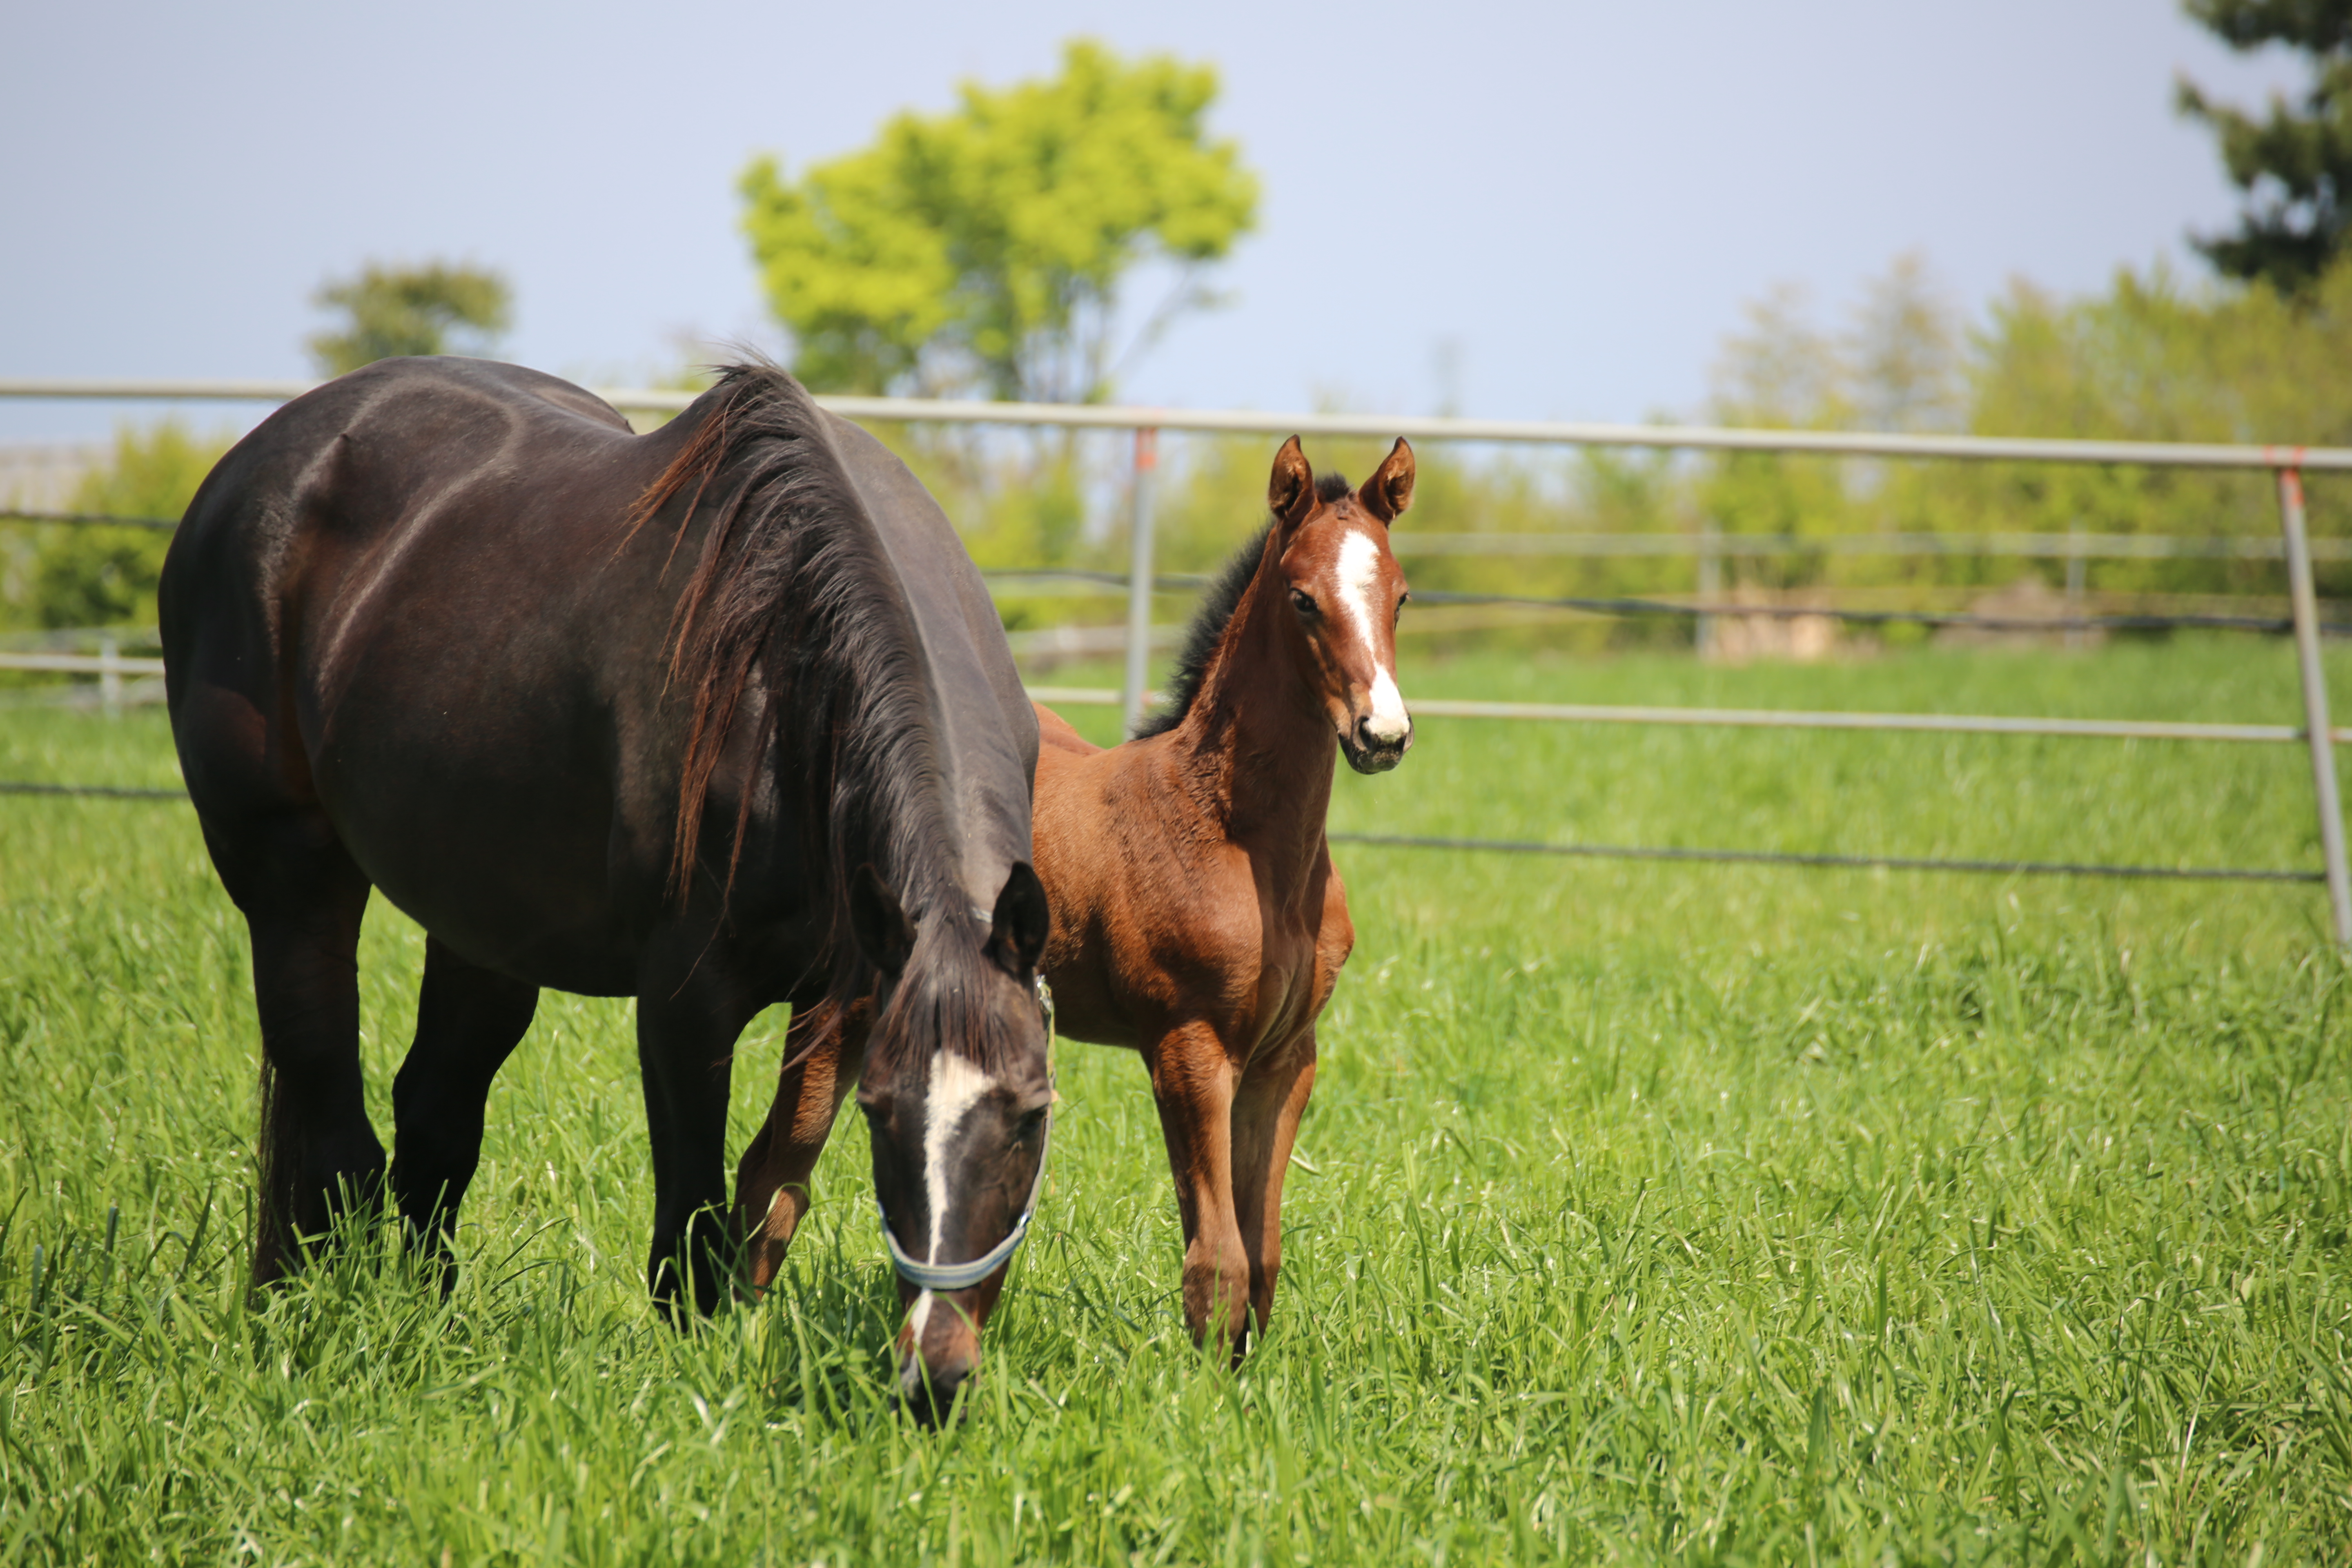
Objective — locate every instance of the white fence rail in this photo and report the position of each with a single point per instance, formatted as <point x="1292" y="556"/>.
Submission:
<point x="2287" y="463"/>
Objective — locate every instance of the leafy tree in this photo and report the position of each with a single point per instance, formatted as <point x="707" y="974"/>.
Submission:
<point x="988" y="245"/>
<point x="2294" y="164"/>
<point x="1905" y="353"/>
<point x="92" y="575"/>
<point x="1782" y="371"/>
<point x="392" y="311"/>
<point x="2151" y="359"/>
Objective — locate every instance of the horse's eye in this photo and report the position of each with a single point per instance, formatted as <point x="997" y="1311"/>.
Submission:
<point x="1031" y="1125"/>
<point x="1302" y="601"/>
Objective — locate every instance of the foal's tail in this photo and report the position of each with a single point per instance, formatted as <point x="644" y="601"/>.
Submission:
<point x="277" y="1159"/>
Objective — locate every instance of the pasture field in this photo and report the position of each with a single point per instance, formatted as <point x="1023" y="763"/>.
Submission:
<point x="1643" y="1213"/>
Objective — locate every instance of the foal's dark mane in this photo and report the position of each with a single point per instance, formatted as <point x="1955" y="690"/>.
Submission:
<point x="788" y="544"/>
<point x="1218" y="606"/>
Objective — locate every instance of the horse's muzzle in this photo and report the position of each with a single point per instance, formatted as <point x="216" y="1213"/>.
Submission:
<point x="1369" y="752"/>
<point x="929" y="1393"/>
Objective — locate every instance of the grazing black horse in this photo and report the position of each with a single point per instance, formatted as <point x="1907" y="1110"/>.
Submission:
<point x="715" y="717"/>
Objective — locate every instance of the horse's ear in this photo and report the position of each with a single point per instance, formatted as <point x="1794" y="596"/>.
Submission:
<point x="1291" y="489"/>
<point x="1017" y="932"/>
<point x="1390" y="489"/>
<point x="880" y="922"/>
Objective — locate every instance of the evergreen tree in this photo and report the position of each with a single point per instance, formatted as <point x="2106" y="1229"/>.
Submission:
<point x="2294" y="164"/>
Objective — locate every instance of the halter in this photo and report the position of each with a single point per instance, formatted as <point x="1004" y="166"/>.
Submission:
<point x="938" y="1276"/>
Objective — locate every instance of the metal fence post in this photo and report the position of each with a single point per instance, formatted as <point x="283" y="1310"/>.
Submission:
<point x="2077" y="572"/>
<point x="1133" y="689"/>
<point x="2315" y="721"/>
<point x="1710" y="583"/>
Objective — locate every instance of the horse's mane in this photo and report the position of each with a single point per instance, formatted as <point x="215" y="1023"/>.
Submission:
<point x="788" y="548"/>
<point x="1218" y="606"/>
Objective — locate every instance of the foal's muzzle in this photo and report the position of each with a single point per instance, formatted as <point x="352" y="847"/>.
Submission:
<point x="1370" y="752"/>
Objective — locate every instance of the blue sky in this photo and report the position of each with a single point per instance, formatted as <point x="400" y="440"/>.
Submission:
<point x="1571" y="201"/>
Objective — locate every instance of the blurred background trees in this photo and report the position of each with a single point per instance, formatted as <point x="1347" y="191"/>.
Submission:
<point x="2294" y="164"/>
<point x="55" y="575"/>
<point x="66" y="575"/>
<point x="98" y="576"/>
<point x="1033" y="241"/>
<point x="435" y="308"/>
<point x="996" y="250"/>
<point x="986" y="249"/>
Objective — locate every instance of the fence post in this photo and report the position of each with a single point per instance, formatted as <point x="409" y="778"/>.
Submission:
<point x="109" y="677"/>
<point x="1139" y="583"/>
<point x="1710" y="582"/>
<point x="2077" y="571"/>
<point x="2315" y="721"/>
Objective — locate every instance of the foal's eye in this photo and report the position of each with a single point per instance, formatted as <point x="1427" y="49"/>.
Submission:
<point x="1302" y="601"/>
<point x="1032" y="1123"/>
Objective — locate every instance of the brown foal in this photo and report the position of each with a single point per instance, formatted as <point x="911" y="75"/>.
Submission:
<point x="1197" y="916"/>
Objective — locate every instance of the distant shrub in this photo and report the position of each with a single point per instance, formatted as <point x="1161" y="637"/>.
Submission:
<point x="94" y="575"/>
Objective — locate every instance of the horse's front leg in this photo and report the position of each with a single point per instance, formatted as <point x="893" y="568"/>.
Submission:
<point x="1192" y="1081"/>
<point x="686" y="1045"/>
<point x="1267" y="1104"/>
<point x="824" y="1048"/>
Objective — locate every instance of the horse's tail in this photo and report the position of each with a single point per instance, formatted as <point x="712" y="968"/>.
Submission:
<point x="277" y="1161"/>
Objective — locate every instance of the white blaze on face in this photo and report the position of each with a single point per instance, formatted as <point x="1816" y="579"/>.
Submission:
<point x="1359" y="570"/>
<point x="954" y="1088"/>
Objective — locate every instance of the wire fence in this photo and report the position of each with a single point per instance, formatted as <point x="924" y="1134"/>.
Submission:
<point x="1622" y="606"/>
<point x="2293" y="548"/>
<point x="1577" y="851"/>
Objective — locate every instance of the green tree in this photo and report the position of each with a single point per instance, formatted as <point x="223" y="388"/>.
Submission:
<point x="1781" y="372"/>
<point x="2151" y="359"/>
<point x="988" y="245"/>
<point x="94" y="575"/>
<point x="392" y="310"/>
<point x="2294" y="164"/>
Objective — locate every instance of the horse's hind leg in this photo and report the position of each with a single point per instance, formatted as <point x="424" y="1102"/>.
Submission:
<point x="822" y="1053"/>
<point x="303" y="897"/>
<point x="469" y="1020"/>
<point x="1266" y="1107"/>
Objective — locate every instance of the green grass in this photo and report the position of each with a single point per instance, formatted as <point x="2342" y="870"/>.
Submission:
<point x="1643" y="1213"/>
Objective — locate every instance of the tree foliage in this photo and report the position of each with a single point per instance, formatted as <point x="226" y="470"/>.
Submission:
<point x="92" y="575"/>
<point x="2294" y="163"/>
<point x="2151" y="358"/>
<point x="388" y="311"/>
<point x="988" y="245"/>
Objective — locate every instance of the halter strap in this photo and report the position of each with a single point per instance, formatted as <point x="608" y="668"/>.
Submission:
<point x="937" y="1276"/>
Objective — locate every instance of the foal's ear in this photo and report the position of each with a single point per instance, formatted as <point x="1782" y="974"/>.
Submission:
<point x="880" y="922"/>
<point x="1291" y="491"/>
<point x="1017" y="932"/>
<point x="1390" y="489"/>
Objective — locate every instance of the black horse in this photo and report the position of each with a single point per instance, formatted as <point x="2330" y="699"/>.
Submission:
<point x="715" y="717"/>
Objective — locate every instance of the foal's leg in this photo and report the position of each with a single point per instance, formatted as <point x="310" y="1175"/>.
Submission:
<point x="685" y="1042"/>
<point x="469" y="1020"/>
<point x="1192" y="1080"/>
<point x="824" y="1049"/>
<point x="303" y="897"/>
<point x="1266" y="1109"/>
